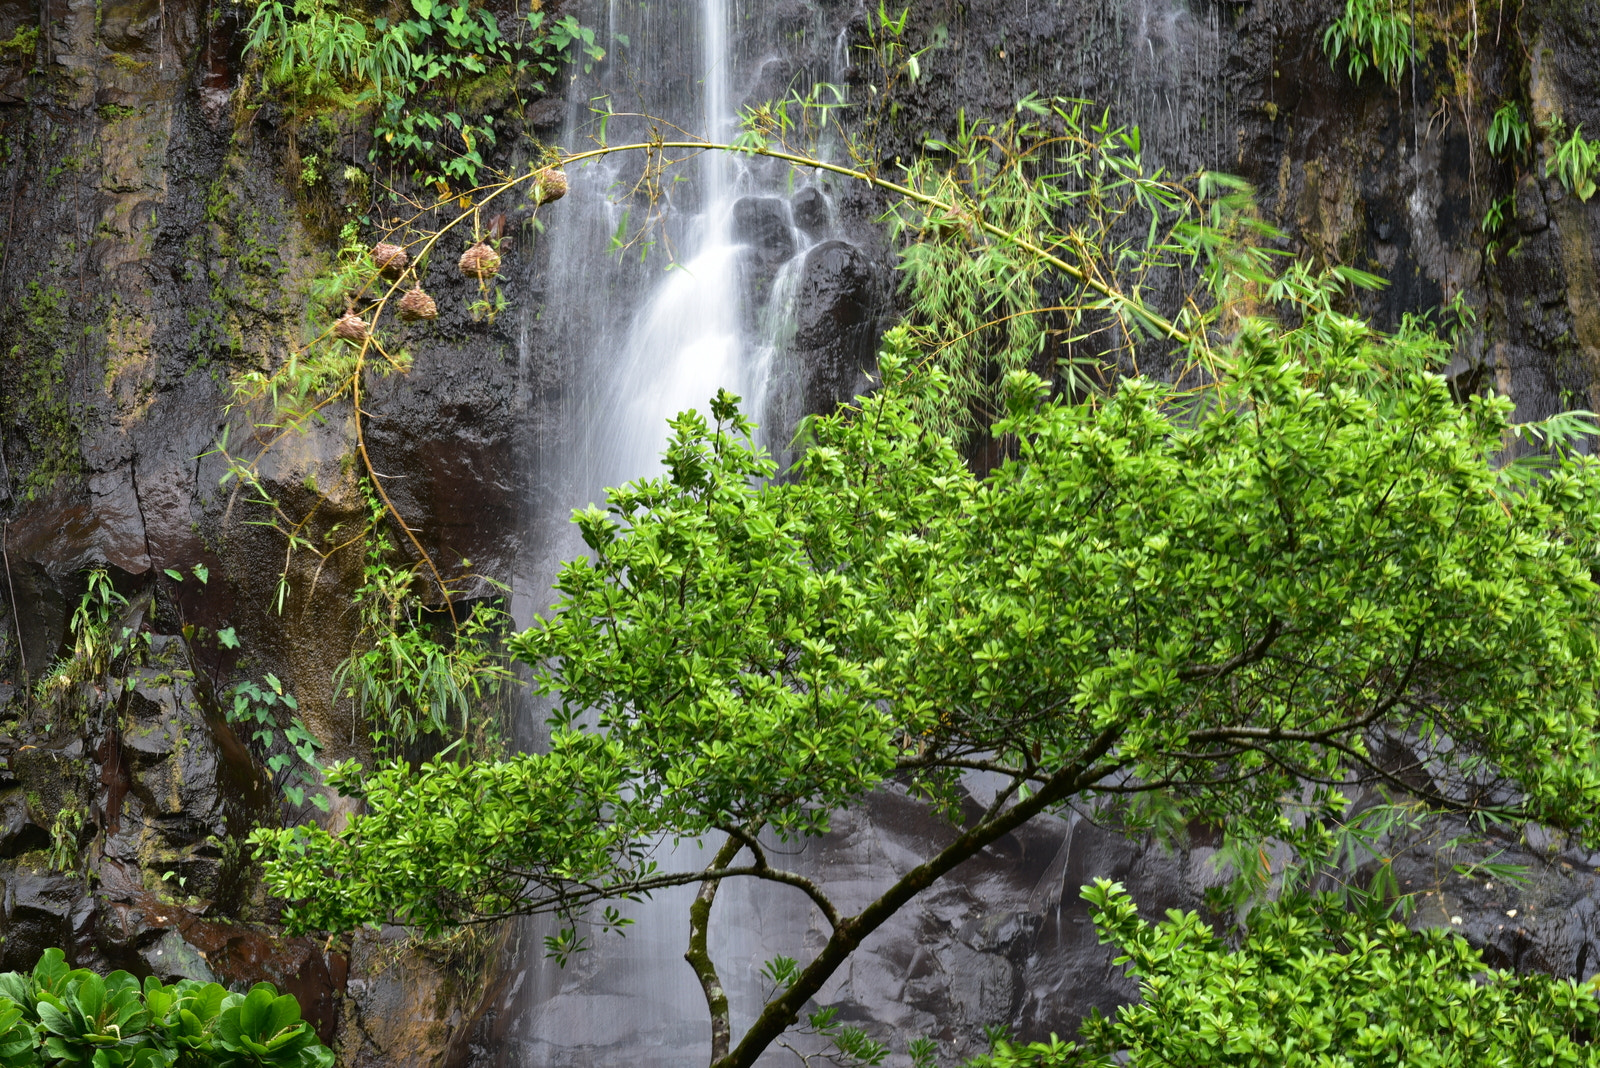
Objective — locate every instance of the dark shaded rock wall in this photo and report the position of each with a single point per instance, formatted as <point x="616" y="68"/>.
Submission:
<point x="159" y="236"/>
<point x="1390" y="180"/>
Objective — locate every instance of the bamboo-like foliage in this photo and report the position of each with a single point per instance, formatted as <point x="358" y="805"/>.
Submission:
<point x="1068" y="182"/>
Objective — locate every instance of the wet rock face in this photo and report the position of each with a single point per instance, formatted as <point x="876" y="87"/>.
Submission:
<point x="411" y="1009"/>
<point x="761" y="225"/>
<point x="838" y="308"/>
<point x="119" y="842"/>
<point x="153" y="244"/>
<point x="810" y="211"/>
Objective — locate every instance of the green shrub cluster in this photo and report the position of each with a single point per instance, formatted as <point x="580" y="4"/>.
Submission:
<point x="1314" y="985"/>
<point x="58" y="1015"/>
<point x="405" y="69"/>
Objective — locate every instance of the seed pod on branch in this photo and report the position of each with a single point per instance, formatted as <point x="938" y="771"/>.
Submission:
<point x="391" y="259"/>
<point x="351" y="327"/>
<point x="416" y="305"/>
<point x="549" y="185"/>
<point x="480" y="261"/>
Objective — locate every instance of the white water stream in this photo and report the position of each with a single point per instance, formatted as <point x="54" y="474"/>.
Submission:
<point x="644" y="338"/>
<point x="613" y="345"/>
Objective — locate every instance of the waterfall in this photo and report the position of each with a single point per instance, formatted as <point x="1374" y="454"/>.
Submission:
<point x="624" y="341"/>
<point x="772" y="285"/>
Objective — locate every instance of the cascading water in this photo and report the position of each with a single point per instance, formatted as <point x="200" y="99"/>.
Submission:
<point x="640" y="338"/>
<point x="745" y="280"/>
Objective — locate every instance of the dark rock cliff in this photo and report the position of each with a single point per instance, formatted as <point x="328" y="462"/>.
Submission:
<point x="159" y="235"/>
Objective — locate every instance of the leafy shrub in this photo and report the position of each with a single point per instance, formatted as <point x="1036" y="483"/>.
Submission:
<point x="1314" y="984"/>
<point x="72" y="1016"/>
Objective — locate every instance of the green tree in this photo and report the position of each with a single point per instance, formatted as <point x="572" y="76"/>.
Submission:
<point x="1315" y="985"/>
<point x="1164" y="603"/>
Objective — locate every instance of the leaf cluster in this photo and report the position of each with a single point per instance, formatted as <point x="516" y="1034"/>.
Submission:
<point x="1371" y="35"/>
<point x="1068" y="183"/>
<point x="289" y="751"/>
<point x="1575" y="162"/>
<point x="100" y="637"/>
<point x="1213" y="596"/>
<point x="1311" y="985"/>
<point x="58" y="1015"/>
<point x="315" y="49"/>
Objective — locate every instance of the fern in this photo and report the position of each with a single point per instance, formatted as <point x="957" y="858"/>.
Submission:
<point x="1508" y="131"/>
<point x="1575" y="163"/>
<point x="1371" y="34"/>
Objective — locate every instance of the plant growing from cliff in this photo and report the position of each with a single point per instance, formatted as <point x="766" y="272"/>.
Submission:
<point x="22" y="44"/>
<point x="1574" y="162"/>
<point x="289" y="751"/>
<point x="100" y="636"/>
<point x="65" y="832"/>
<point x="1371" y="35"/>
<point x="314" y="49"/>
<point x="1509" y="134"/>
<point x="1309" y="983"/>
<point x="411" y="679"/>
<point x="1164" y="604"/>
<point x="32" y="402"/>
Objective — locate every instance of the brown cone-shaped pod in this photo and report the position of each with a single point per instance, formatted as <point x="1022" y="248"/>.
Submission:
<point x="550" y="184"/>
<point x="480" y="261"/>
<point x="416" y="305"/>
<point x="351" y="327"/>
<point x="391" y="259"/>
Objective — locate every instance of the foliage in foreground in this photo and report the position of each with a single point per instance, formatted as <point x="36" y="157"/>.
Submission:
<point x="73" y="1017"/>
<point x="1165" y="603"/>
<point x="1314" y="985"/>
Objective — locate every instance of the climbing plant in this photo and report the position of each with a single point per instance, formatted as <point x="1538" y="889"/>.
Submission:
<point x="287" y="750"/>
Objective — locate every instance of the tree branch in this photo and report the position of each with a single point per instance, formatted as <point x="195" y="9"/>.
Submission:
<point x="763" y="870"/>
<point x="699" y="957"/>
<point x="781" y="1012"/>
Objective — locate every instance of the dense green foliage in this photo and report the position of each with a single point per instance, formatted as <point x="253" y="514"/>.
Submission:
<point x="1314" y="985"/>
<point x="71" y="1016"/>
<point x="409" y="71"/>
<point x="1209" y="594"/>
<point x="1170" y="604"/>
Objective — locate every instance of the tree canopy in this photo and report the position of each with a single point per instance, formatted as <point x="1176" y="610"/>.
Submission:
<point x="1173" y="604"/>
